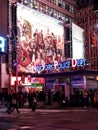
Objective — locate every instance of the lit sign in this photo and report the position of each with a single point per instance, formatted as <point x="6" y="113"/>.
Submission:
<point x="78" y="62"/>
<point x="2" y="45"/>
<point x="62" y="65"/>
<point x="77" y="42"/>
<point x="77" y="81"/>
<point x="37" y="85"/>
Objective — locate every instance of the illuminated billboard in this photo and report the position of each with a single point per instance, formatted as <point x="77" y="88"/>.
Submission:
<point x="77" y="42"/>
<point x="2" y="45"/>
<point x="41" y="39"/>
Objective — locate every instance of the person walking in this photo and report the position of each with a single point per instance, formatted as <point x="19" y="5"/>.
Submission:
<point x="85" y="99"/>
<point x="34" y="103"/>
<point x="9" y="102"/>
<point x="15" y="102"/>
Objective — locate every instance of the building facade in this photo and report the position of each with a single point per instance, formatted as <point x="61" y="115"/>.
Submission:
<point x="3" y="43"/>
<point x="87" y="18"/>
<point x="66" y="13"/>
<point x="58" y="9"/>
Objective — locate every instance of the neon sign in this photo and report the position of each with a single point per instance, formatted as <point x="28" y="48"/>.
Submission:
<point x="37" y="85"/>
<point x="2" y="45"/>
<point x="62" y="65"/>
<point x="78" y="62"/>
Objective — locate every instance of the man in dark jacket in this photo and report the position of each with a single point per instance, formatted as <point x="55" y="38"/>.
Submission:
<point x="9" y="102"/>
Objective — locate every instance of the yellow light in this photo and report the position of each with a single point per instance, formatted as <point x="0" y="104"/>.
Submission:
<point x="97" y="78"/>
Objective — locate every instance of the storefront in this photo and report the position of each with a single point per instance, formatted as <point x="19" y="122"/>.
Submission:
<point x="28" y="83"/>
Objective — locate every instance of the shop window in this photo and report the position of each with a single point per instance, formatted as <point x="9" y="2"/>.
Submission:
<point x="59" y="4"/>
<point x="56" y="2"/>
<point x="55" y="14"/>
<point x="47" y="10"/>
<point x="25" y="2"/>
<point x="63" y="4"/>
<point x="40" y="7"/>
<point x="67" y="7"/>
<point x="51" y="12"/>
<point x="72" y="9"/>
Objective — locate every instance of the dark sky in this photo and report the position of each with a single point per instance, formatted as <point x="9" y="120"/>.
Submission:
<point x="83" y="3"/>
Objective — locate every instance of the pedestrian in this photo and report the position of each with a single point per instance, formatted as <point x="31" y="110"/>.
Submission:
<point x="85" y="99"/>
<point x="15" y="102"/>
<point x="9" y="102"/>
<point x="67" y="102"/>
<point x="34" y="103"/>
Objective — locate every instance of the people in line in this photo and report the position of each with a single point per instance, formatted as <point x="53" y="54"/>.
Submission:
<point x="78" y="98"/>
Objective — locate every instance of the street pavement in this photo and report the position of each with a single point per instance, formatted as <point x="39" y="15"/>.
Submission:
<point x="50" y="119"/>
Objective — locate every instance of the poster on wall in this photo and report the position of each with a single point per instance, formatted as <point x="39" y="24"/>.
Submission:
<point x="41" y="39"/>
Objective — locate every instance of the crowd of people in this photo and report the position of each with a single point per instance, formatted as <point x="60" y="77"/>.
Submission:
<point x="13" y="100"/>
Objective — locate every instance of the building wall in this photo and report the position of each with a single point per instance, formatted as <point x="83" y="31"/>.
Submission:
<point x="4" y="76"/>
<point x="88" y="20"/>
<point x="3" y="17"/>
<point x="3" y="33"/>
<point x="58" y="9"/>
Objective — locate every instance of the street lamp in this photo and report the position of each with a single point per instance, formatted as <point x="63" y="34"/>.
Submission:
<point x="97" y="80"/>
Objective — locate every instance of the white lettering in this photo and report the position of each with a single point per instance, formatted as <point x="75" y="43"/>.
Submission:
<point x="74" y="62"/>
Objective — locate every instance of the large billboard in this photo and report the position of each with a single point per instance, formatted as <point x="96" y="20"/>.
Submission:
<point x="77" y="42"/>
<point x="41" y="39"/>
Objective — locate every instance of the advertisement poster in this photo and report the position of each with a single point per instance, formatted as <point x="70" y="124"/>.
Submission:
<point x="41" y="39"/>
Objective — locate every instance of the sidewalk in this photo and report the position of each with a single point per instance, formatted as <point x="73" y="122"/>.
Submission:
<point x="27" y="110"/>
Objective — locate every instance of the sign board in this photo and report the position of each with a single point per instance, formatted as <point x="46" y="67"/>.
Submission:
<point x="77" y="81"/>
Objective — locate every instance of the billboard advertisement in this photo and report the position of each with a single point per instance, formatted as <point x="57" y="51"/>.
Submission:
<point x="40" y="39"/>
<point x="77" y="42"/>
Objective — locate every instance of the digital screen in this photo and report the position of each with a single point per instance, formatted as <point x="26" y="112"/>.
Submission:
<point x="77" y="42"/>
<point x="41" y="39"/>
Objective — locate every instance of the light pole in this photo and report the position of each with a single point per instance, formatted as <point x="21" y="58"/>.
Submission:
<point x="15" y="63"/>
<point x="12" y="36"/>
<point x="16" y="74"/>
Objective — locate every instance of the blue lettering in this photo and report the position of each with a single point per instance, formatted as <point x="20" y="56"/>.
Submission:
<point x="81" y="62"/>
<point x="61" y="65"/>
<point x="68" y="64"/>
<point x="64" y="65"/>
<point x="49" y="67"/>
